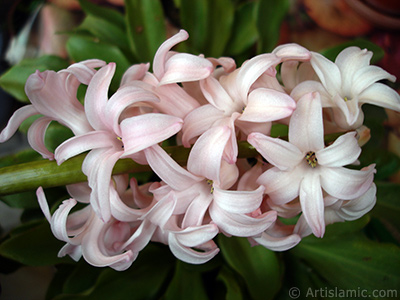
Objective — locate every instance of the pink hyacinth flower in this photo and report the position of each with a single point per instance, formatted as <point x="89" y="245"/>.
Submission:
<point x="112" y="138"/>
<point x="304" y="167"/>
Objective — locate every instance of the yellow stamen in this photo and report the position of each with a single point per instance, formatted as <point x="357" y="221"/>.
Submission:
<point x="210" y="182"/>
<point x="311" y="159"/>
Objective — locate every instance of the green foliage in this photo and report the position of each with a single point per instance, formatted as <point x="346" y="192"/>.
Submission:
<point x="13" y="81"/>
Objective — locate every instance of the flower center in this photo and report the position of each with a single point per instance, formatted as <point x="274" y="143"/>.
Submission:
<point x="210" y="182"/>
<point x="120" y="139"/>
<point x="311" y="159"/>
<point x="346" y="99"/>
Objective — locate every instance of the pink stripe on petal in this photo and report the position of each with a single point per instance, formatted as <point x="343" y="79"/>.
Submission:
<point x="59" y="220"/>
<point x="16" y="120"/>
<point x="312" y="203"/>
<point x="278" y="243"/>
<point x="36" y="134"/>
<point x="195" y="236"/>
<point x="140" y="132"/>
<point x="216" y="94"/>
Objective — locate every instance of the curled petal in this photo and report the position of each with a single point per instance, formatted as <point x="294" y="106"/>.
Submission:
<point x="94" y="253"/>
<point x="292" y="52"/>
<point x="168" y="170"/>
<point x="344" y="151"/>
<point x="198" y="121"/>
<point x="367" y="76"/>
<point x="36" y="134"/>
<point x="161" y="55"/>
<point x="266" y="105"/>
<point x="189" y="255"/>
<point x="358" y="207"/>
<point x="345" y="183"/>
<point x="216" y="94"/>
<point x="97" y="96"/>
<point x="140" y="132"/>
<point x="84" y="70"/>
<point x="278" y="243"/>
<point x="241" y="224"/>
<point x="82" y="143"/>
<point x="195" y="236"/>
<point x="135" y="72"/>
<point x="161" y="211"/>
<point x="278" y="152"/>
<point x="183" y="67"/>
<point x="240" y="202"/>
<point x="16" y="120"/>
<point x="206" y="155"/>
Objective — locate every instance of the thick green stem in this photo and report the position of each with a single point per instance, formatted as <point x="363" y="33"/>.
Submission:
<point x="29" y="176"/>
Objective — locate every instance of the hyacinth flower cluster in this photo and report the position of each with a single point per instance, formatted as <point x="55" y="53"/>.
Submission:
<point x="208" y="105"/>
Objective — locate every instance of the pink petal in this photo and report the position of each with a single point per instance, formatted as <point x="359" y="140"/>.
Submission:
<point x="135" y="72"/>
<point x="59" y="220"/>
<point x="345" y="183"/>
<point x="367" y="76"/>
<point x="121" y="100"/>
<point x="238" y="202"/>
<point x="140" y="132"/>
<point x="197" y="209"/>
<point x="278" y="243"/>
<point x="241" y="224"/>
<point x="266" y="105"/>
<point x="161" y="55"/>
<point x="36" y="134"/>
<point x="183" y="67"/>
<point x="251" y="70"/>
<point x="292" y="52"/>
<point x="278" y="152"/>
<point x="82" y="143"/>
<point x="216" y="94"/>
<point x="16" y="120"/>
<point x="328" y="73"/>
<point x="312" y="203"/>
<point x="160" y="213"/>
<point x="189" y="255"/>
<point x="282" y="187"/>
<point x="79" y="191"/>
<point x="356" y="208"/>
<point x="206" y="155"/>
<point x="93" y="249"/>
<point x="97" y="96"/>
<point x="168" y="170"/>
<point x="198" y="121"/>
<point x="195" y="236"/>
<point x="43" y="203"/>
<point x="344" y="151"/>
<point x="306" y="130"/>
<point x="381" y="95"/>
<point x="84" y="70"/>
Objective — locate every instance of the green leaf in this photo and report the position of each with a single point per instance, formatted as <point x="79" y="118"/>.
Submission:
<point x="186" y="284"/>
<point x="81" y="279"/>
<point x="33" y="245"/>
<point x="269" y="16"/>
<point x="100" y="12"/>
<point x="353" y="262"/>
<point x="378" y="52"/>
<point x="13" y="81"/>
<point x="244" y="31"/>
<point x="209" y="24"/>
<point x="233" y="288"/>
<point x="82" y="48"/>
<point x="106" y="31"/>
<point x="146" y="27"/>
<point x="387" y="206"/>
<point x="258" y="266"/>
<point x="143" y="280"/>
